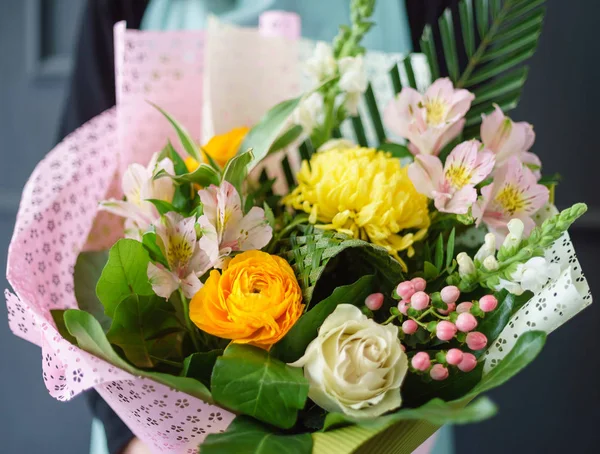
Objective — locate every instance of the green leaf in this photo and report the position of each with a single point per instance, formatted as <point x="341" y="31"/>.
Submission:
<point x="439" y="252"/>
<point x="262" y="136"/>
<point x="150" y="242"/>
<point x="427" y="45"/>
<point x="162" y="206"/>
<point x="247" y="436"/>
<point x="495" y="321"/>
<point x="286" y="138"/>
<point x="125" y="274"/>
<point x="248" y="380"/>
<point x="448" y="43"/>
<point x="374" y="114"/>
<point x="59" y="322"/>
<point x="236" y="170"/>
<point x="186" y="140"/>
<point x="466" y="22"/>
<point x="430" y="271"/>
<point x="269" y="215"/>
<point x="88" y="269"/>
<point x="211" y="161"/>
<point x="396" y="150"/>
<point x="178" y="163"/>
<point x="204" y="175"/>
<point x="450" y="247"/>
<point x="90" y="337"/>
<point x="293" y="345"/>
<point x="147" y="330"/>
<point x="200" y="365"/>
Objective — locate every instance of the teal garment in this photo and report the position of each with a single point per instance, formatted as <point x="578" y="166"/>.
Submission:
<point x="320" y="21"/>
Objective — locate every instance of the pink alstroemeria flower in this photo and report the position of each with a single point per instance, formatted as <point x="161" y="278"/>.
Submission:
<point x="507" y="138"/>
<point x="452" y="186"/>
<point x="224" y="224"/>
<point x="514" y="193"/>
<point x="138" y="186"/>
<point x="431" y="120"/>
<point x="187" y="257"/>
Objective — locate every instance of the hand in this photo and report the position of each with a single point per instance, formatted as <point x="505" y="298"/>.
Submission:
<point x="136" y="446"/>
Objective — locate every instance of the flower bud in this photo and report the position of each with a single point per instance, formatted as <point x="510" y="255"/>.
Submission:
<point x="454" y="356"/>
<point x="403" y="307"/>
<point x="451" y="308"/>
<point x="421" y="361"/>
<point x="468" y="363"/>
<point x="405" y="289"/>
<point x="476" y="340"/>
<point x="445" y="330"/>
<point x="466" y="322"/>
<point x="374" y="301"/>
<point x="419" y="301"/>
<point x="515" y="228"/>
<point x="410" y="327"/>
<point x="450" y="294"/>
<point x="488" y="303"/>
<point x="464" y="307"/>
<point x="438" y="372"/>
<point x="466" y="267"/>
<point x="490" y="263"/>
<point x="419" y="284"/>
<point x="488" y="248"/>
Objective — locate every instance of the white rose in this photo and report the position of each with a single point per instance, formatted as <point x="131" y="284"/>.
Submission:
<point x="322" y="65"/>
<point x="355" y="365"/>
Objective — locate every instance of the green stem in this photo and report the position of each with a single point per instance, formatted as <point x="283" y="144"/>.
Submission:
<point x="166" y="361"/>
<point x="188" y="322"/>
<point x="390" y="320"/>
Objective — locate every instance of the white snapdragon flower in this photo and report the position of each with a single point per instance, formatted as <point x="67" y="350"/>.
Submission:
<point x="308" y="112"/>
<point x="487" y="248"/>
<point x="466" y="267"/>
<point x="353" y="81"/>
<point x="355" y="365"/>
<point x="531" y="275"/>
<point x="322" y="64"/>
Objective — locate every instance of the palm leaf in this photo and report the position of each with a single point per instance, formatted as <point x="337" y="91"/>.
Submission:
<point x="508" y="32"/>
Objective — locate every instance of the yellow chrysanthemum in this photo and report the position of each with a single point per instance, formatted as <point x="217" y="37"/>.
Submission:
<point x="363" y="193"/>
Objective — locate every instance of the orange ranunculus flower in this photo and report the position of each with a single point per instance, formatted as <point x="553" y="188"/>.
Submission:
<point x="255" y="301"/>
<point x="221" y="148"/>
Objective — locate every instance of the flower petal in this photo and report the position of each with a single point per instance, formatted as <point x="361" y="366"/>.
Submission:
<point x="163" y="282"/>
<point x="426" y="174"/>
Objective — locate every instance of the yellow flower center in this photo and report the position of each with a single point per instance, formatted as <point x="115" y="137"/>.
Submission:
<point x="180" y="251"/>
<point x="458" y="176"/>
<point x="510" y="198"/>
<point x="436" y="111"/>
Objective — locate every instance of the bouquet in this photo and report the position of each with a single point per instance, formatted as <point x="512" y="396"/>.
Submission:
<point x="346" y="271"/>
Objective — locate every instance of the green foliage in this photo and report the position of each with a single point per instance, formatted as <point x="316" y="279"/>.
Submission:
<point x="293" y="345"/>
<point x="236" y="170"/>
<point x="125" y="274"/>
<point x="246" y="435"/>
<point x="204" y="176"/>
<point x="248" y="380"/>
<point x="150" y="242"/>
<point x="396" y="150"/>
<point x="162" y="206"/>
<point x="147" y="330"/>
<point x="189" y="145"/>
<point x="286" y="138"/>
<point x="200" y="365"/>
<point x="88" y="269"/>
<point x="90" y="337"/>
<point x="507" y="34"/>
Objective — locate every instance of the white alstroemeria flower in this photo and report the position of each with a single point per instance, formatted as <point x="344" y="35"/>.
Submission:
<point x="531" y="275"/>
<point x="185" y="255"/>
<point x="355" y="365"/>
<point x="353" y="81"/>
<point x="138" y="186"/>
<point x="309" y="112"/>
<point x="322" y="64"/>
<point x="225" y="226"/>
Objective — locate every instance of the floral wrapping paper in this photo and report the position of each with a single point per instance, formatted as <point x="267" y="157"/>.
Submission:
<point x="58" y="214"/>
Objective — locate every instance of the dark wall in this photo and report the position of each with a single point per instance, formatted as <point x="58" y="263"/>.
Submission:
<point x="554" y="405"/>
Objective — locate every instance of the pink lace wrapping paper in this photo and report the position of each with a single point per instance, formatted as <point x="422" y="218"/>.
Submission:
<point x="58" y="218"/>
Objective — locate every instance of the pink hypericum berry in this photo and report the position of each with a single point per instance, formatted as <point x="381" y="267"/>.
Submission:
<point x="410" y="327"/>
<point x="374" y="301"/>
<point x="419" y="301"/>
<point x="445" y="330"/>
<point x="451" y="308"/>
<point x="464" y="307"/>
<point x="454" y="356"/>
<point x="476" y="340"/>
<point x="450" y="294"/>
<point x="419" y="284"/>
<point x="405" y="289"/>
<point x="466" y="322"/>
<point x="421" y="361"/>
<point x="438" y="372"/>
<point x="488" y="303"/>
<point x="468" y="363"/>
<point x="403" y="307"/>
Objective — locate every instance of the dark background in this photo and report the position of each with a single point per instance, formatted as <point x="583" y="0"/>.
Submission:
<point x="552" y="406"/>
